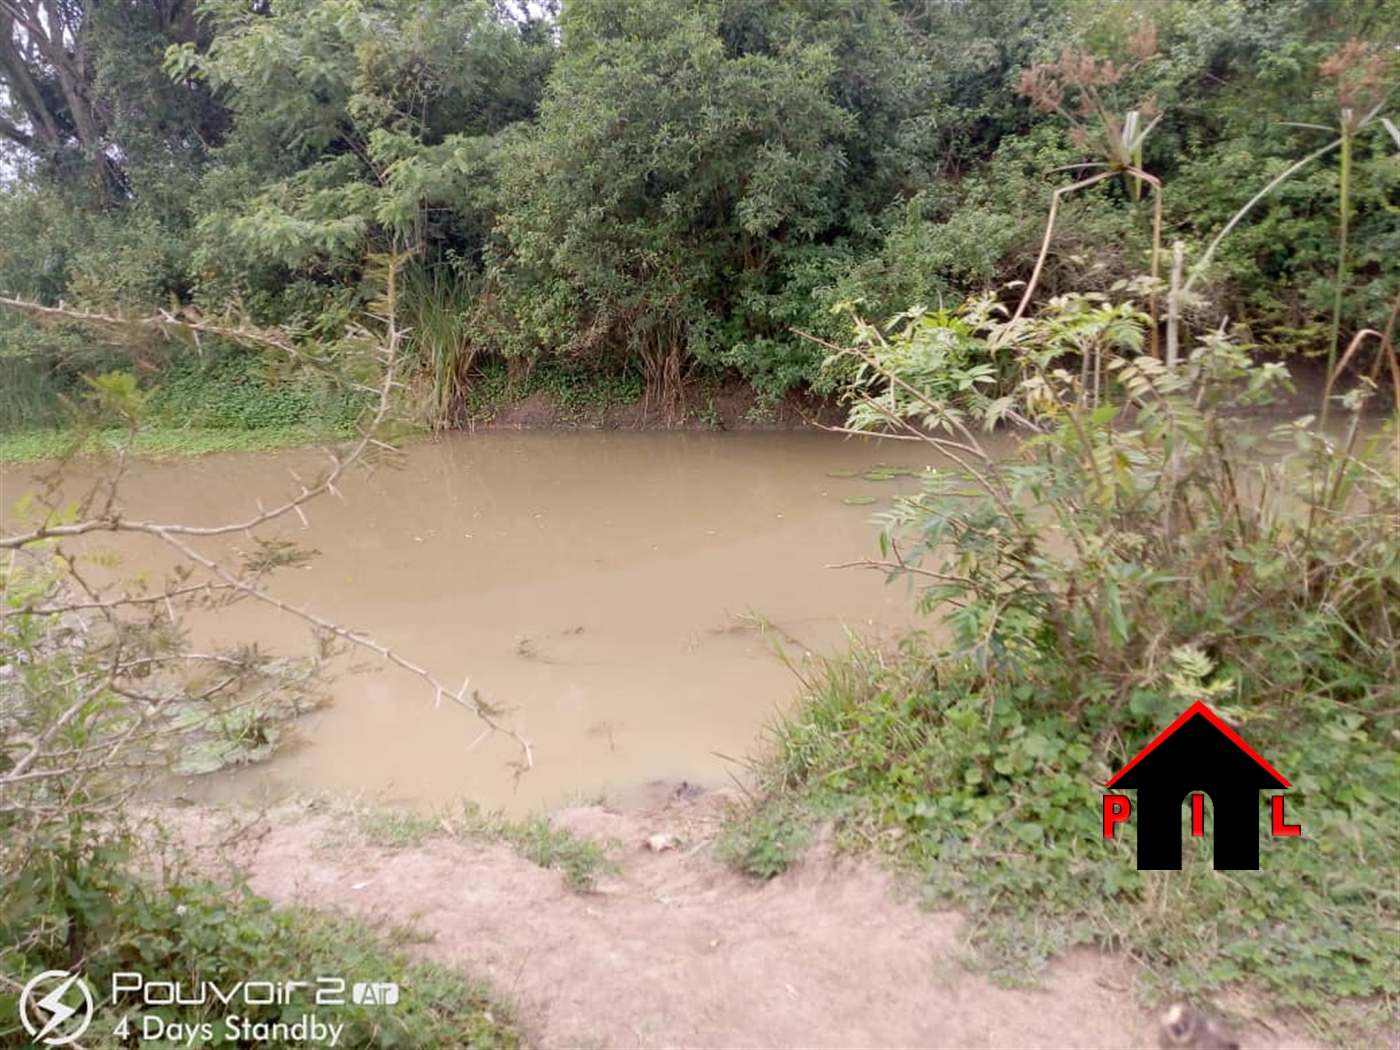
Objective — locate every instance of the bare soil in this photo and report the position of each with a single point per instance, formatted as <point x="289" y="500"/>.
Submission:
<point x="680" y="950"/>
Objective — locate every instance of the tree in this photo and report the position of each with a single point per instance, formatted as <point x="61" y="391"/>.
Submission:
<point x="355" y="122"/>
<point x="690" y="175"/>
<point x="77" y="92"/>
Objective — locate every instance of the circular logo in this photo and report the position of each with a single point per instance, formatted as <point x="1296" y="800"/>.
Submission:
<point x="48" y="1011"/>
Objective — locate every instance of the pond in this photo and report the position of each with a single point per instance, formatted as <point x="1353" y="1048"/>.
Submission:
<point x="622" y="594"/>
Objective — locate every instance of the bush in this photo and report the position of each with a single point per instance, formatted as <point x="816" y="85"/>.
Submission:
<point x="768" y="842"/>
<point x="1141" y="552"/>
<point x="195" y="931"/>
<point x="234" y="390"/>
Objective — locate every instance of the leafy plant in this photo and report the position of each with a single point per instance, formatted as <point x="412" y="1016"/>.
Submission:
<point x="582" y="860"/>
<point x="191" y="931"/>
<point x="766" y="842"/>
<point x="1142" y="550"/>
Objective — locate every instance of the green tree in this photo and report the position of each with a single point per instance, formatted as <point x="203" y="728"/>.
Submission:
<point x="694" y="174"/>
<point x="355" y="121"/>
<point x="81" y="96"/>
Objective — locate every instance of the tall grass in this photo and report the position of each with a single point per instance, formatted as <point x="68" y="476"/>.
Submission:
<point x="1143" y="551"/>
<point x="28" y="396"/>
<point x="441" y="308"/>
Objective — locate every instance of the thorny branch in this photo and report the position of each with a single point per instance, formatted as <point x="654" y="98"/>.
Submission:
<point x="225" y="581"/>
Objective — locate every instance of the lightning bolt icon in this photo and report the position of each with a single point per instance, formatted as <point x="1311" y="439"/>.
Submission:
<point x="58" y="1010"/>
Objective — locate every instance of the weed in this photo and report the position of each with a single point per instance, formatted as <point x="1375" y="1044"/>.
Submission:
<point x="581" y="860"/>
<point x="710" y="415"/>
<point x="767" y="841"/>
<point x="442" y="307"/>
<point x="395" y="829"/>
<point x="36" y="445"/>
<point x="191" y="931"/>
<point x="1134" y="557"/>
<point x="243" y="390"/>
<point x="582" y="395"/>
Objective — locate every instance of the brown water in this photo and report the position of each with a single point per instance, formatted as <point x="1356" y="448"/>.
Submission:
<point x="605" y="587"/>
<point x="601" y="585"/>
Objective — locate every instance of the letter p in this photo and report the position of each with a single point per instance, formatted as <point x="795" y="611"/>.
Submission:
<point x="1116" y="809"/>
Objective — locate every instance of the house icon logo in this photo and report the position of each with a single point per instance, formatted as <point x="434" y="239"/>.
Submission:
<point x="1199" y="755"/>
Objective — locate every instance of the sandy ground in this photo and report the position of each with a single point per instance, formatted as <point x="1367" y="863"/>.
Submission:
<point x="680" y="951"/>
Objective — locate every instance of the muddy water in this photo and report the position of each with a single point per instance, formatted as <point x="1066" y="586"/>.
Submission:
<point x="605" y="587"/>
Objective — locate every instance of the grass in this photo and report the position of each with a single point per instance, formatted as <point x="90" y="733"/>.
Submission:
<point x="398" y="829"/>
<point x="192" y="931"/>
<point x="232" y="402"/>
<point x="1002" y="821"/>
<point x="37" y="445"/>
<point x="582" y="861"/>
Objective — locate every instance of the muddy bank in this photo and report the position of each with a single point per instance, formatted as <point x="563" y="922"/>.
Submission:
<point x="733" y="405"/>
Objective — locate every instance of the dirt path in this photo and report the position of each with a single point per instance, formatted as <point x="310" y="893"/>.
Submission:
<point x="680" y="951"/>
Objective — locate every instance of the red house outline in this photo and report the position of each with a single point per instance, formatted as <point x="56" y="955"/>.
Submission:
<point x="1214" y="719"/>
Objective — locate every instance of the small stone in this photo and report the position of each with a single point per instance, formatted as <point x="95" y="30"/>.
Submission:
<point x="658" y="843"/>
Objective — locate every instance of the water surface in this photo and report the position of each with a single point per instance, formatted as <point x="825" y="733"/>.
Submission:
<point x="607" y="588"/>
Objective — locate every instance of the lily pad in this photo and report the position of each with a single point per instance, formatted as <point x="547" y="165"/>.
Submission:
<point x="216" y="753"/>
<point x="841" y="473"/>
<point x="878" y="475"/>
<point x="860" y="501"/>
<point x="217" y="740"/>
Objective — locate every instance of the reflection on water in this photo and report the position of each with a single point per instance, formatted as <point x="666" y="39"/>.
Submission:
<point x="606" y="587"/>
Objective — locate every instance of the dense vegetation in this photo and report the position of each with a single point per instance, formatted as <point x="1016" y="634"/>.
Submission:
<point x="638" y="190"/>
<point x="346" y="209"/>
<point x="1142" y="552"/>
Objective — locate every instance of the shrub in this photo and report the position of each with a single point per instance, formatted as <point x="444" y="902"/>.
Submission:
<point x="193" y="931"/>
<point x="1141" y="551"/>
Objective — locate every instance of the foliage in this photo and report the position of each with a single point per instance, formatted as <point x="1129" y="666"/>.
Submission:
<point x="1001" y="818"/>
<point x="81" y="100"/>
<point x="355" y="121"/>
<point x="189" y="930"/>
<point x="1151" y="522"/>
<point x="31" y="446"/>
<point x="582" y="393"/>
<point x="668" y="203"/>
<point x="232" y="388"/>
<point x="1142" y="551"/>
<point x="766" y="842"/>
<point x="625" y="191"/>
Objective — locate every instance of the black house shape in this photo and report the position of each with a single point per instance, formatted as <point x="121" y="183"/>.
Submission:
<point x="1198" y="752"/>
